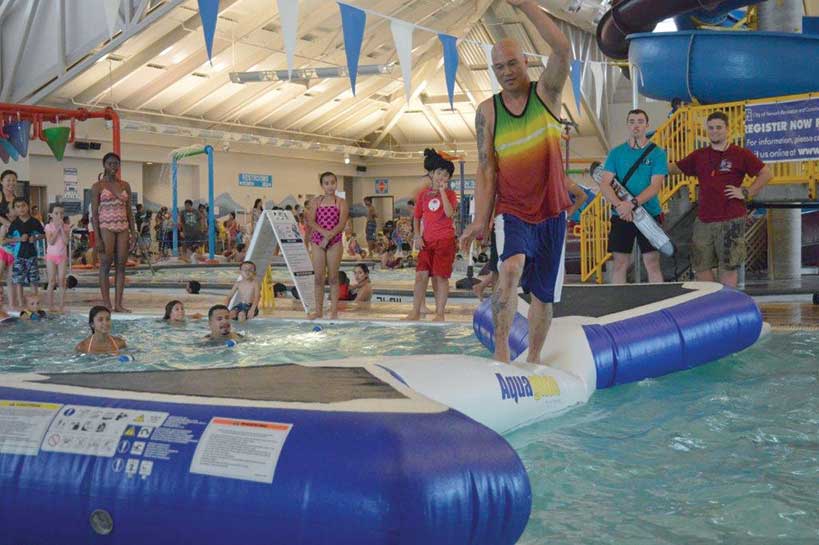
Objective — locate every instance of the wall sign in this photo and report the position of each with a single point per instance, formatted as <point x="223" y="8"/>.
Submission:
<point x="382" y="186"/>
<point x="783" y="131"/>
<point x="255" y="180"/>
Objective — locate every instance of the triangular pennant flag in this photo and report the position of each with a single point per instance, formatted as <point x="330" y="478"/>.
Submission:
<point x="4" y="154"/>
<point x="450" y="44"/>
<point x="57" y="138"/>
<point x="352" y="24"/>
<point x="289" y="18"/>
<point x="111" y="10"/>
<point x="597" y="76"/>
<point x="18" y="135"/>
<point x="576" y="75"/>
<point x="487" y="51"/>
<point x="13" y="153"/>
<point x="208" y="12"/>
<point x="402" y="36"/>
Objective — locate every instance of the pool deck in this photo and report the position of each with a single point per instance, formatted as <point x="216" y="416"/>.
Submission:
<point x="783" y="312"/>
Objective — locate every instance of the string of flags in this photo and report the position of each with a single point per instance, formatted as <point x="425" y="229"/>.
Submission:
<point x="353" y="21"/>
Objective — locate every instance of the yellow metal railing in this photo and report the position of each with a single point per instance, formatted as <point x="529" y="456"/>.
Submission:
<point x="268" y="297"/>
<point x="756" y="241"/>
<point x="679" y="135"/>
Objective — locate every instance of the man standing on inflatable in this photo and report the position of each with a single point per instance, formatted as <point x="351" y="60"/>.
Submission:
<point x="521" y="177"/>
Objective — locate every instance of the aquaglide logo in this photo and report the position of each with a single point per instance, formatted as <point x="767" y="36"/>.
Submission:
<point x="519" y="386"/>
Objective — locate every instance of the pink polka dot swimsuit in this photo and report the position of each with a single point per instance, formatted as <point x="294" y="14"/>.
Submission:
<point x="327" y="217"/>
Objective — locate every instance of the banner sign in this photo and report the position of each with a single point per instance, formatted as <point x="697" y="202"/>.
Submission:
<point x="783" y="131"/>
<point x="382" y="186"/>
<point x="255" y="180"/>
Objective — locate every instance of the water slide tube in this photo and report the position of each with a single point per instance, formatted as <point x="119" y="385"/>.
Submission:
<point x="339" y="453"/>
<point x="706" y="66"/>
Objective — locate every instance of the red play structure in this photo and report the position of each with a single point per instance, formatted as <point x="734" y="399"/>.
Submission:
<point x="19" y="123"/>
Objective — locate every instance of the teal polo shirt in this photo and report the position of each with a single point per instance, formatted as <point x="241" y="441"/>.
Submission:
<point x="619" y="162"/>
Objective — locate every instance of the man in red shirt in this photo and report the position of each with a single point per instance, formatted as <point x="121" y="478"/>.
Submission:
<point x="435" y="237"/>
<point x="719" y="230"/>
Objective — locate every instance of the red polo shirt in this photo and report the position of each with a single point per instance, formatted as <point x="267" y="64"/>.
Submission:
<point x="716" y="170"/>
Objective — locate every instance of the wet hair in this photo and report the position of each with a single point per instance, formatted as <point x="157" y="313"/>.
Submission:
<point x="328" y="173"/>
<point x="368" y="200"/>
<point x="188" y="201"/>
<point x="722" y="116"/>
<point x="364" y="268"/>
<point x="93" y="314"/>
<point x="108" y="155"/>
<point x="279" y="288"/>
<point x="257" y="202"/>
<point x="637" y="111"/>
<point x="343" y="278"/>
<point x="194" y="286"/>
<point x="7" y="172"/>
<point x="71" y="282"/>
<point x="169" y="308"/>
<point x="246" y="262"/>
<point x="214" y="308"/>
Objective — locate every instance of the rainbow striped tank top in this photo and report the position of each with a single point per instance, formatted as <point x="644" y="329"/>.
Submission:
<point x="531" y="181"/>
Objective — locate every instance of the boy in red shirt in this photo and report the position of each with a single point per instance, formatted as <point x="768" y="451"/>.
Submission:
<point x="435" y="238"/>
<point x="719" y="230"/>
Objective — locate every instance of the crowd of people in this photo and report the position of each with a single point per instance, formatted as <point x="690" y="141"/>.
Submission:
<point x="523" y="201"/>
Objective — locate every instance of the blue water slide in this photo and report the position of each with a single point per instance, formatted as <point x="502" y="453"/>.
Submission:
<point x="717" y="66"/>
<point x="706" y="66"/>
<point x="724" y="14"/>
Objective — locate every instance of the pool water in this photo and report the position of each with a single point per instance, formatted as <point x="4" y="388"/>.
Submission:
<point x="725" y="453"/>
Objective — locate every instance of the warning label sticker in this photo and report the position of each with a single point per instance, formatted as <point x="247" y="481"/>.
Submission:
<point x="79" y="429"/>
<point x="240" y="449"/>
<point x="23" y="425"/>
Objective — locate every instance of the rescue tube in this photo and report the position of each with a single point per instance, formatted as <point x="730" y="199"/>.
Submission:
<point x="332" y="453"/>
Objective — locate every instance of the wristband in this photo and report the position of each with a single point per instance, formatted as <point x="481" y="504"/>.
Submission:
<point x="635" y="203"/>
<point x="745" y="193"/>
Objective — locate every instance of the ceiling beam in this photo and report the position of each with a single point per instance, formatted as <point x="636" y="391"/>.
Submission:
<point x="141" y="96"/>
<point x="419" y="82"/>
<point x="5" y="91"/>
<point x="349" y="116"/>
<point x="365" y="89"/>
<point x="129" y="66"/>
<point x="436" y="124"/>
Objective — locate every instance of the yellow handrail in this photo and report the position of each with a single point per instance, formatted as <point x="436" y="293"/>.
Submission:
<point x="679" y="135"/>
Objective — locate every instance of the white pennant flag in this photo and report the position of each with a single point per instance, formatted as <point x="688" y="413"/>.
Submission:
<point x="402" y="36"/>
<point x="597" y="76"/>
<point x="289" y="17"/>
<point x="487" y="51"/>
<point x="111" y="9"/>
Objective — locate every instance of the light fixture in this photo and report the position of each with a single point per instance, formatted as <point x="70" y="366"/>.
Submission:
<point x="308" y="73"/>
<point x="346" y="158"/>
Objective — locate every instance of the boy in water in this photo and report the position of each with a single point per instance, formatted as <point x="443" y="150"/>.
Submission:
<point x="247" y="293"/>
<point x="219" y="323"/>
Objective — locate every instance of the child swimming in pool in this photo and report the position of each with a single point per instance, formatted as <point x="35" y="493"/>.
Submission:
<point x="175" y="313"/>
<point x="219" y="323"/>
<point x="100" y="341"/>
<point x="32" y="311"/>
<point x="247" y="293"/>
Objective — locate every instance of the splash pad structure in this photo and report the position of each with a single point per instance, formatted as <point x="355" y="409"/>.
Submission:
<point x="176" y="156"/>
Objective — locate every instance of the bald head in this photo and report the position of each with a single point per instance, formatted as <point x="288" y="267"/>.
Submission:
<point x="505" y="49"/>
<point x="509" y="65"/>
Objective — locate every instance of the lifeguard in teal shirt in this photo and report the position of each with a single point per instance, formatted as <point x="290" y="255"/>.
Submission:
<point x="644" y="184"/>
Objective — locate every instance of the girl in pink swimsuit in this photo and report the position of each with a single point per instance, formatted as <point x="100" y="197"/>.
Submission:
<point x="115" y="227"/>
<point x="326" y="216"/>
<point x="56" y="232"/>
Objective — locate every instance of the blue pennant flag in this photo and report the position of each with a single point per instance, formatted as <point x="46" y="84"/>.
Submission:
<point x="577" y="74"/>
<point x="352" y="23"/>
<point x="208" y="11"/>
<point x="450" y="45"/>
